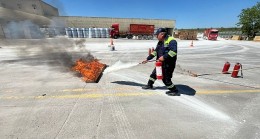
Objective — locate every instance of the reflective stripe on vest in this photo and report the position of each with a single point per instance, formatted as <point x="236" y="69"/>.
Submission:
<point x="172" y="53"/>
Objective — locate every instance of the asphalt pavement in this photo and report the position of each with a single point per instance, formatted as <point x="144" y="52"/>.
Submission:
<point x="40" y="97"/>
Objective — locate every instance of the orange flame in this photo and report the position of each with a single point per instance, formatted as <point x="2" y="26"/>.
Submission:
<point x="90" y="70"/>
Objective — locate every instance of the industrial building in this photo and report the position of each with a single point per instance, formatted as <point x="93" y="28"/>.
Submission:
<point x="19" y="16"/>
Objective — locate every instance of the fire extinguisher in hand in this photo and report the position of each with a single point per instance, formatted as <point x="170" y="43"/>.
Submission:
<point x="158" y="67"/>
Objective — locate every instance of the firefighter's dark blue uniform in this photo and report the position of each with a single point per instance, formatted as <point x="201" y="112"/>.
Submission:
<point x="167" y="49"/>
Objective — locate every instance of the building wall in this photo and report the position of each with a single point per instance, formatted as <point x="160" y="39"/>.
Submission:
<point x="7" y="16"/>
<point x="43" y="14"/>
<point x="29" y="6"/>
<point x="15" y="24"/>
<point x="18" y="17"/>
<point x="37" y="7"/>
<point x="49" y="10"/>
<point x="99" y="22"/>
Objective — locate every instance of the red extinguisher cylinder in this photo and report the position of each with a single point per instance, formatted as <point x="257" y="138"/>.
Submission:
<point x="158" y="67"/>
<point x="236" y="70"/>
<point x="225" y="68"/>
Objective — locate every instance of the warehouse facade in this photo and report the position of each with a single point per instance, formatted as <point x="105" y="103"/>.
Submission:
<point x="106" y="22"/>
<point x="43" y="15"/>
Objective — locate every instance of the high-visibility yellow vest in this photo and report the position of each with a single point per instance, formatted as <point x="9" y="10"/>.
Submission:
<point x="166" y="42"/>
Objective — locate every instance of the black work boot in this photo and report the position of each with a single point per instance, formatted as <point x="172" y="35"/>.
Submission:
<point x="174" y="92"/>
<point x="147" y="87"/>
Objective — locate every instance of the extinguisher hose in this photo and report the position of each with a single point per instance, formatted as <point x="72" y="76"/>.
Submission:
<point x="241" y="71"/>
<point x="148" y="61"/>
<point x="191" y="73"/>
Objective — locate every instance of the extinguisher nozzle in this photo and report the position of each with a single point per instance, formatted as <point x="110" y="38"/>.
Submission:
<point x="194" y="75"/>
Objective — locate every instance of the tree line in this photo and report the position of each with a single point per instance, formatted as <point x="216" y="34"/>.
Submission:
<point x="249" y="20"/>
<point x="249" y="23"/>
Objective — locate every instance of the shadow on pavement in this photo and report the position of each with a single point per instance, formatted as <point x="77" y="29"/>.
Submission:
<point x="186" y="90"/>
<point x="128" y="83"/>
<point x="183" y="89"/>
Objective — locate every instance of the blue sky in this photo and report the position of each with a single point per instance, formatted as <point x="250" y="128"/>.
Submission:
<point x="187" y="13"/>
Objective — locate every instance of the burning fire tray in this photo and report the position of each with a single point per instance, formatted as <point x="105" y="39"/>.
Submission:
<point x="89" y="71"/>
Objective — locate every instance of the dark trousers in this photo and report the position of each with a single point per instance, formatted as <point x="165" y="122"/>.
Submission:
<point x="167" y="71"/>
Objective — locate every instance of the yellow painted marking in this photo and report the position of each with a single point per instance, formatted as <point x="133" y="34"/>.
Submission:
<point x="84" y="96"/>
<point x="226" y="91"/>
<point x="99" y="95"/>
<point x="104" y="95"/>
<point x="92" y="89"/>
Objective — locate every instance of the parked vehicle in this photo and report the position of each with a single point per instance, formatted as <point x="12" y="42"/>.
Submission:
<point x="186" y="34"/>
<point x="139" y="31"/>
<point x="210" y="34"/>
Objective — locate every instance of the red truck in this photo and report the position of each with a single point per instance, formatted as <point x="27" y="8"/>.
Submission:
<point x="210" y="34"/>
<point x="141" y="31"/>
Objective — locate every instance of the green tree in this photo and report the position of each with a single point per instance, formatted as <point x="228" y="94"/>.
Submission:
<point x="249" y="20"/>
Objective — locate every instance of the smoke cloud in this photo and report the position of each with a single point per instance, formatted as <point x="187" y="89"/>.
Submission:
<point x="58" y="25"/>
<point x="58" y="53"/>
<point x="22" y="30"/>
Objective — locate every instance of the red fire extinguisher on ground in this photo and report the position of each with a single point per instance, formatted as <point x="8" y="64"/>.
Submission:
<point x="158" y="66"/>
<point x="236" y="70"/>
<point x="225" y="68"/>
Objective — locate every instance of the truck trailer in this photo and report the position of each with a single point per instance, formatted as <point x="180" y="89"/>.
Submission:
<point x="210" y="34"/>
<point x="139" y="31"/>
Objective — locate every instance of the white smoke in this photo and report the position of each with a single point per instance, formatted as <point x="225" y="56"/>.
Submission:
<point x="22" y="30"/>
<point x="58" y="25"/>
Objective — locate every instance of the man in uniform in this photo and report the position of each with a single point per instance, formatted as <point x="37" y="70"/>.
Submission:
<point x="165" y="52"/>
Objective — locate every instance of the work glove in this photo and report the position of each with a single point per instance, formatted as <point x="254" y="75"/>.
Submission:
<point x="145" y="61"/>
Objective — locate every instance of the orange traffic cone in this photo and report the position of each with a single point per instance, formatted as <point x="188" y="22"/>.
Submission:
<point x="191" y="45"/>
